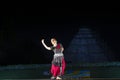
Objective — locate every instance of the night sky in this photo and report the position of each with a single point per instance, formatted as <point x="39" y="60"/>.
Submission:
<point x="21" y="30"/>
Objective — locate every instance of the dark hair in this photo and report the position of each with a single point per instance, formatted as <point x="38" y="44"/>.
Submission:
<point x="53" y="39"/>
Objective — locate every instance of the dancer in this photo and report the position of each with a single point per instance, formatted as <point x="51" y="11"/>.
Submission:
<point x="58" y="62"/>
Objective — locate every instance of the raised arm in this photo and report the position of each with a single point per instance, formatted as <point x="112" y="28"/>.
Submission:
<point x="48" y="48"/>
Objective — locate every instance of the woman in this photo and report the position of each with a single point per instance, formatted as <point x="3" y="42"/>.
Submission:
<point x="58" y="62"/>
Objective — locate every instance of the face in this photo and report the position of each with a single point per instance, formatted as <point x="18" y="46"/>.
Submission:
<point x="53" y="41"/>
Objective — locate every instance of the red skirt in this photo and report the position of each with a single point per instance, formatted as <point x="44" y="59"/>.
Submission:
<point x="56" y="70"/>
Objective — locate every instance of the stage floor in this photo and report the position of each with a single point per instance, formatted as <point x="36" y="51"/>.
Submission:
<point x="72" y="73"/>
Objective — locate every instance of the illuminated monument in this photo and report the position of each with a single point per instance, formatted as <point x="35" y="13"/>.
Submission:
<point x="86" y="46"/>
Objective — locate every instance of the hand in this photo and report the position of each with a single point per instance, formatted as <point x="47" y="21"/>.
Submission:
<point x="42" y="40"/>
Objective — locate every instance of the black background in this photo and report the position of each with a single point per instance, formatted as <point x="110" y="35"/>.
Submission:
<point x="21" y="30"/>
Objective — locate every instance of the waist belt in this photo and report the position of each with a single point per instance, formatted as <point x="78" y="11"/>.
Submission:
<point x="58" y="54"/>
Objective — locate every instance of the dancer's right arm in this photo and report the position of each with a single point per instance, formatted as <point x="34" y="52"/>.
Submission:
<point x="48" y="48"/>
